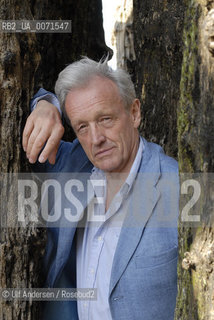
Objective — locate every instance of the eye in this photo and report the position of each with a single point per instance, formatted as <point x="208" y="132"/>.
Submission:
<point x="106" y="120"/>
<point x="82" y="128"/>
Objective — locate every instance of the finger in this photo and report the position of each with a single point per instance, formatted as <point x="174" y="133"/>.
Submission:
<point x="33" y="136"/>
<point x="52" y="156"/>
<point x="36" y="142"/>
<point x="26" y="133"/>
<point x="52" y="145"/>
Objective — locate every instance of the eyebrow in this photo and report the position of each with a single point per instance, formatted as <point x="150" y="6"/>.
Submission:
<point x="98" y="114"/>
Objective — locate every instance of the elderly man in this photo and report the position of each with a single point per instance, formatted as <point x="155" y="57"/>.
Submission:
<point x="131" y="255"/>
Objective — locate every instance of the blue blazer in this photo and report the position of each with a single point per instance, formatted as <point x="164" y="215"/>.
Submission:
<point x="143" y="282"/>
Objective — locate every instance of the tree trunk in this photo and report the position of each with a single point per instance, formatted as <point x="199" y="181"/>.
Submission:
<point x="196" y="154"/>
<point x="157" y="31"/>
<point x="28" y="61"/>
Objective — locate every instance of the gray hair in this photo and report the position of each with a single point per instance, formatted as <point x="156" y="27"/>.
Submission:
<point x="79" y="73"/>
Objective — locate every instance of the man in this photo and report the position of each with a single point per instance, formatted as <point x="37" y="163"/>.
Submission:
<point x="131" y="255"/>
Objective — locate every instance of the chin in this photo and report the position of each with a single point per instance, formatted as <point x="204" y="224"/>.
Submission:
<point x="107" y="167"/>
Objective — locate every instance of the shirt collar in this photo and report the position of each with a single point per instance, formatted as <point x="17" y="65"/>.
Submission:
<point x="136" y="164"/>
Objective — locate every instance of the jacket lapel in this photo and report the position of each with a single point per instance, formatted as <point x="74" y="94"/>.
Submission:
<point x="142" y="202"/>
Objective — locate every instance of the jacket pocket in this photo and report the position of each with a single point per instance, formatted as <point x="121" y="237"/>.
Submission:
<point x="153" y="261"/>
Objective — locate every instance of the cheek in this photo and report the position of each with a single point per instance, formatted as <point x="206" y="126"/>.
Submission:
<point x="122" y="149"/>
<point x="125" y="138"/>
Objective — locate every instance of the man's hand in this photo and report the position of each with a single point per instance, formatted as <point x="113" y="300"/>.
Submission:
<point x="44" y="125"/>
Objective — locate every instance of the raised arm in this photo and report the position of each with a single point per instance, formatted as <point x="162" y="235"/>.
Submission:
<point x="43" y="130"/>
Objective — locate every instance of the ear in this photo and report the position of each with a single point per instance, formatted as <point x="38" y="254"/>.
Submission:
<point x="135" y="113"/>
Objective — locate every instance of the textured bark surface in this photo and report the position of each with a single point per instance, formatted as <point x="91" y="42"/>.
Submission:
<point x="28" y="61"/>
<point x="157" y="31"/>
<point x="196" y="154"/>
<point x="20" y="248"/>
<point x="58" y="50"/>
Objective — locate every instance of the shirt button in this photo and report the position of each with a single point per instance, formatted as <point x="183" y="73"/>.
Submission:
<point x="100" y="238"/>
<point x="85" y="304"/>
<point x="92" y="271"/>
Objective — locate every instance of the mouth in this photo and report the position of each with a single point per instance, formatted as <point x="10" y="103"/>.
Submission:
<point x="103" y="152"/>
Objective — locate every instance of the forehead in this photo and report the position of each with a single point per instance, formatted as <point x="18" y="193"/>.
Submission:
<point x="97" y="91"/>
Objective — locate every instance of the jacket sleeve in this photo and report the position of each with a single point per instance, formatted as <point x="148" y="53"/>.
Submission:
<point x="43" y="94"/>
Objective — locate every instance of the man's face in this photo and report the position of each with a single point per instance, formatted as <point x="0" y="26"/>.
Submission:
<point x="107" y="132"/>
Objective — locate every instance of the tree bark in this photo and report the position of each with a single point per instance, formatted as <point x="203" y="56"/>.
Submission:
<point x="29" y="61"/>
<point x="20" y="248"/>
<point x="196" y="154"/>
<point x="158" y="46"/>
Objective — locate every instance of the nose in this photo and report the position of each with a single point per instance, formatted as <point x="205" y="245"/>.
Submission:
<point x="96" y="134"/>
